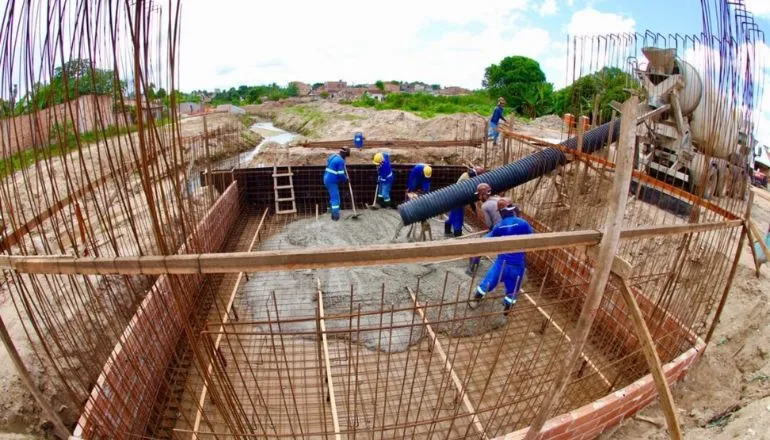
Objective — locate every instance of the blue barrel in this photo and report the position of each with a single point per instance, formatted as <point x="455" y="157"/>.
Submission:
<point x="358" y="140"/>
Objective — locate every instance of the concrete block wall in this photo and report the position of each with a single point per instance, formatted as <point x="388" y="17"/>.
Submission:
<point x="121" y="401"/>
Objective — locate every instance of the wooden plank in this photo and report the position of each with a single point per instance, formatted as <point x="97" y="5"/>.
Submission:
<point x="620" y="267"/>
<point x="477" y="142"/>
<point x="353" y="256"/>
<point x="566" y="336"/>
<point x="224" y="320"/>
<point x="329" y="379"/>
<point x="469" y="408"/>
<point x="653" y="361"/>
<point x="618" y="198"/>
<point x="761" y="193"/>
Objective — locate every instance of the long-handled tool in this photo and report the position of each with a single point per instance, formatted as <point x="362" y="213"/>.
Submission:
<point x="352" y="199"/>
<point x="374" y="206"/>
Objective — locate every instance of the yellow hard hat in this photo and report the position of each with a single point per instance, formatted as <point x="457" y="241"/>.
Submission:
<point x="378" y="158"/>
<point x="427" y="171"/>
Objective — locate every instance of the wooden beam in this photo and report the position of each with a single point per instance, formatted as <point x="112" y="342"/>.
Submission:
<point x="224" y="320"/>
<point x="607" y="250"/>
<point x="59" y="428"/>
<point x="566" y="336"/>
<point x="448" y="366"/>
<point x="353" y="256"/>
<point x="325" y="343"/>
<point x="761" y="193"/>
<point x="395" y="143"/>
<point x="653" y="361"/>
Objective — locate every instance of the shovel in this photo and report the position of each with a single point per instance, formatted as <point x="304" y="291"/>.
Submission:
<point x="374" y="206"/>
<point x="355" y="214"/>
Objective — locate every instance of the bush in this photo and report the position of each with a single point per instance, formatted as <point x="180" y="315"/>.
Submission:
<point x="426" y="105"/>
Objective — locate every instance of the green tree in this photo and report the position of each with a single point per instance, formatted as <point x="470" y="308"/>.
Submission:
<point x="380" y="85"/>
<point x="74" y="78"/>
<point x="291" y="90"/>
<point x="609" y="84"/>
<point x="161" y="93"/>
<point x="521" y="82"/>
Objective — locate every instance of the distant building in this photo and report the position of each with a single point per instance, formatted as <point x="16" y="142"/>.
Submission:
<point x="454" y="91"/>
<point x="392" y="88"/>
<point x="332" y="87"/>
<point x="375" y="93"/>
<point x="350" y="93"/>
<point x="303" y="89"/>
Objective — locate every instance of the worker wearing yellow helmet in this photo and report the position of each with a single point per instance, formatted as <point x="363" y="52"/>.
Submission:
<point x="419" y="179"/>
<point x="384" y="178"/>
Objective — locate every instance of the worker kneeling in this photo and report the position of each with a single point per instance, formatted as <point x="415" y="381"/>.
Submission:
<point x="510" y="267"/>
<point x="384" y="178"/>
<point x="333" y="176"/>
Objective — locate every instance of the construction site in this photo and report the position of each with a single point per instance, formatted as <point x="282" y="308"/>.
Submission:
<point x="167" y="288"/>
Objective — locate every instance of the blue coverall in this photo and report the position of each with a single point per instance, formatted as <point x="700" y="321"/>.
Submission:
<point x="456" y="217"/>
<point x="333" y="176"/>
<point x="508" y="267"/>
<point x="493" y="121"/>
<point x="385" y="179"/>
<point x="417" y="179"/>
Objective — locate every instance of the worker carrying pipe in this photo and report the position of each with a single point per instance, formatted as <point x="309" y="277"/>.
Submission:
<point x="419" y="179"/>
<point x="384" y="178"/>
<point x="509" y="267"/>
<point x="333" y="176"/>
<point x="456" y="218"/>
<point x="489" y="215"/>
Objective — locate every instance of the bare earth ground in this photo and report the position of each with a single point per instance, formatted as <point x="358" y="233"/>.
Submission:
<point x="734" y="372"/>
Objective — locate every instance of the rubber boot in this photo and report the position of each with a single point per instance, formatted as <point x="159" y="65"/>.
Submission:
<point x="476" y="301"/>
<point x="458" y="233"/>
<point x="380" y="202"/>
<point x="335" y="217"/>
<point x="507" y="306"/>
<point x="447" y="230"/>
<point x="471" y="268"/>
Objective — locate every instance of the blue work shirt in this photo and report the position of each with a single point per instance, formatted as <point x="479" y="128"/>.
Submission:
<point x="497" y="115"/>
<point x="384" y="170"/>
<point x="335" y="170"/>
<point x="512" y="225"/>
<point x="417" y="179"/>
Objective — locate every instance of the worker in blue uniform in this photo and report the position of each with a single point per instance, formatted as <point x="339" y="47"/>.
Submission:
<point x="333" y="176"/>
<point x="384" y="178"/>
<point x="509" y="267"/>
<point x="497" y="115"/>
<point x="419" y="179"/>
<point x="456" y="218"/>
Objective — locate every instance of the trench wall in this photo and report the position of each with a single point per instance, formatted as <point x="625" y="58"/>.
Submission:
<point x="124" y="394"/>
<point x="257" y="184"/>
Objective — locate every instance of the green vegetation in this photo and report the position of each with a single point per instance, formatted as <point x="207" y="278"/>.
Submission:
<point x="244" y="95"/>
<point x="426" y="105"/>
<point x="522" y="83"/>
<point x="609" y="84"/>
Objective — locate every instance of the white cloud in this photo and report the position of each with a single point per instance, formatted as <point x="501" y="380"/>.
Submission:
<point x="548" y="7"/>
<point x="259" y="42"/>
<point x="760" y="8"/>
<point x="589" y="21"/>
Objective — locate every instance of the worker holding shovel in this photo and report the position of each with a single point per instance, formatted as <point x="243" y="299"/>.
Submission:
<point x="333" y="176"/>
<point x="384" y="178"/>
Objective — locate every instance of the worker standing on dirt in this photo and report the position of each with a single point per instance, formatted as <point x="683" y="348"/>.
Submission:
<point x="456" y="219"/>
<point x="419" y="179"/>
<point x="333" y="176"/>
<point x="489" y="214"/>
<point x="384" y="178"/>
<point x="510" y="267"/>
<point x="497" y="115"/>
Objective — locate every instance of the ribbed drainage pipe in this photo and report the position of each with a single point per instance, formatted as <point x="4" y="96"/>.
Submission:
<point x="503" y="178"/>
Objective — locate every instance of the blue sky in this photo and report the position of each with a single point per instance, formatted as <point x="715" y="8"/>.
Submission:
<point x="230" y="42"/>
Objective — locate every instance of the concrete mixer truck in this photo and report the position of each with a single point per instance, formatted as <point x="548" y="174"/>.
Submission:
<point x="690" y="135"/>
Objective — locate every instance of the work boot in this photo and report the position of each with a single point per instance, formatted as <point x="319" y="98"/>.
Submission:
<point x="471" y="269"/>
<point x="447" y="230"/>
<point x="459" y="233"/>
<point x="507" y="306"/>
<point x="380" y="202"/>
<point x="336" y="216"/>
<point x="476" y="301"/>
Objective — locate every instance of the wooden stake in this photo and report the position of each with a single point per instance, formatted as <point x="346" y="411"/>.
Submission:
<point x="607" y="249"/>
<point x="653" y="360"/>
<point x="325" y="343"/>
<point x="448" y="366"/>
<point x="58" y="424"/>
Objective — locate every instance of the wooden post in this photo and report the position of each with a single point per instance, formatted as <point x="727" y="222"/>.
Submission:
<point x="58" y="424"/>
<point x="327" y="362"/>
<point x="607" y="249"/>
<point x="653" y="361"/>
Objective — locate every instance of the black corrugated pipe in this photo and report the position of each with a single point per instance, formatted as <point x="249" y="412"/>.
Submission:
<point x="503" y="178"/>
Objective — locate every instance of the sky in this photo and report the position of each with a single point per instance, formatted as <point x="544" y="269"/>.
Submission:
<point x="227" y="43"/>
